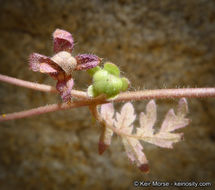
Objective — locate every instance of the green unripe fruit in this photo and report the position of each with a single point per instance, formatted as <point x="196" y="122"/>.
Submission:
<point x="93" y="70"/>
<point x="100" y="76"/>
<point x="107" y="81"/>
<point x="112" y="69"/>
<point x="110" y="85"/>
<point x="125" y="84"/>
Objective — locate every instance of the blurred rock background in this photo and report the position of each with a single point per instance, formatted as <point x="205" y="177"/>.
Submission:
<point x="157" y="44"/>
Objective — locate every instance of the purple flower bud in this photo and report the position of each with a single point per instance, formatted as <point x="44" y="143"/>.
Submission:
<point x="87" y="61"/>
<point x="63" y="41"/>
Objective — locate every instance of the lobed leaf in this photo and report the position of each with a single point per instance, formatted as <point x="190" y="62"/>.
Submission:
<point x="132" y="145"/>
<point x="131" y="141"/>
<point x="126" y="117"/>
<point x="147" y="120"/>
<point x="182" y="109"/>
<point x="134" y="151"/>
<point x="107" y="113"/>
<point x="164" y="138"/>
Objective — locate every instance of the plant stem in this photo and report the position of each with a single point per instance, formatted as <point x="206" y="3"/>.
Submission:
<point x="50" y="108"/>
<point x="166" y="93"/>
<point x="79" y="94"/>
<point x="87" y="101"/>
<point x="32" y="112"/>
<point x="65" y="106"/>
<point x="39" y="87"/>
<point x="158" y="94"/>
<point x="126" y="96"/>
<point x="155" y="94"/>
<point x="27" y="84"/>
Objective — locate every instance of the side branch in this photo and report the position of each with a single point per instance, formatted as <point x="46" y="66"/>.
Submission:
<point x="27" y="84"/>
<point x="50" y="108"/>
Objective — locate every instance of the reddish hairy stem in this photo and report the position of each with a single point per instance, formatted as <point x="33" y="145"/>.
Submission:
<point x="27" y="84"/>
<point x="126" y="96"/>
<point x="39" y="87"/>
<point x="167" y="93"/>
<point x="50" y="108"/>
<point x="34" y="111"/>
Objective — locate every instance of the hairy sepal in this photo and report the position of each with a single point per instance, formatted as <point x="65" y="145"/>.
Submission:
<point x="87" y="61"/>
<point x="63" y="41"/>
<point x="64" y="88"/>
<point x="43" y="64"/>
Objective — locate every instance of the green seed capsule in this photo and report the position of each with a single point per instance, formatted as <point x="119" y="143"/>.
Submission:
<point x="125" y="83"/>
<point x="111" y="85"/>
<point x="112" y="69"/>
<point x="100" y="75"/>
<point x="93" y="70"/>
<point x="107" y="81"/>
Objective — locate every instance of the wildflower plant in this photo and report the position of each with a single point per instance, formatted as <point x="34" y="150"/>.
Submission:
<point x="108" y="86"/>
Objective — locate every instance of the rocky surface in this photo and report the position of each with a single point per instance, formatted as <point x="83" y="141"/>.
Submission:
<point x="157" y="44"/>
